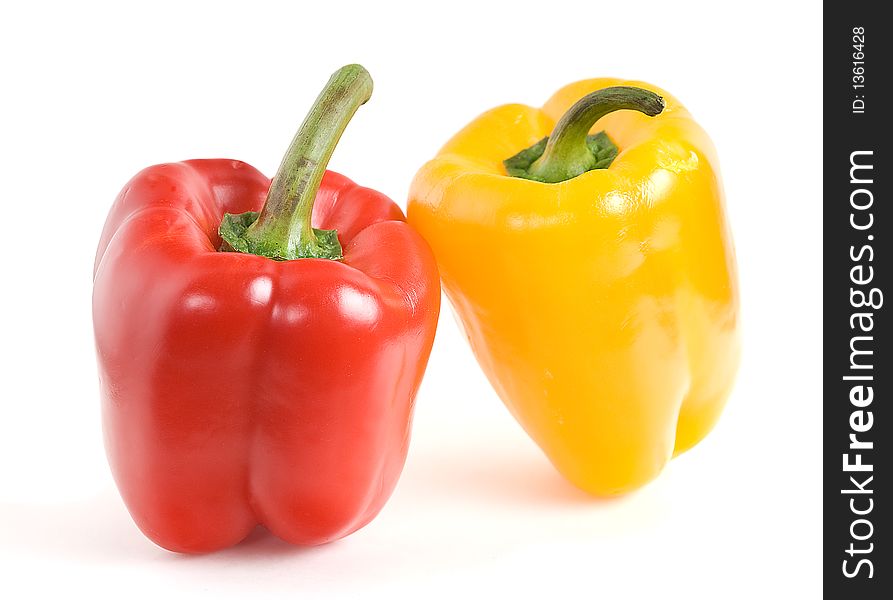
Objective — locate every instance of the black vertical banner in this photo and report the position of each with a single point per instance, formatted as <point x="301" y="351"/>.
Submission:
<point x="858" y="372"/>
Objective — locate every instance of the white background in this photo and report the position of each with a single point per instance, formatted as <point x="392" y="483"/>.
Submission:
<point x="91" y="94"/>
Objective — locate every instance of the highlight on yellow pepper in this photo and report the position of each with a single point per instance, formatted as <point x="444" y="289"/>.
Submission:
<point x="593" y="273"/>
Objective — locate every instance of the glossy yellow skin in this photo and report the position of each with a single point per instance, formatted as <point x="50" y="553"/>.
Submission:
<point x="603" y="309"/>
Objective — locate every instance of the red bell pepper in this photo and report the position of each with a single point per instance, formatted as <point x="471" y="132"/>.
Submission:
<point x="240" y="390"/>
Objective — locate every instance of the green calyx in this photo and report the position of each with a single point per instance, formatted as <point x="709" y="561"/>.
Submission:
<point x="599" y="145"/>
<point x="233" y="231"/>
<point x="570" y="150"/>
<point x="282" y="229"/>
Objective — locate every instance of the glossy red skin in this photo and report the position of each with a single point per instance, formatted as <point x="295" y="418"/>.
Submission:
<point x="238" y="390"/>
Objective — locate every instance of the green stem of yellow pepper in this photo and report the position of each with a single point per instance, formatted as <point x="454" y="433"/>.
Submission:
<point x="568" y="153"/>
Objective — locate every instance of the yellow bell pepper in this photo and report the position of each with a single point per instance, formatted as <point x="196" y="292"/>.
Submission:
<point x="599" y="292"/>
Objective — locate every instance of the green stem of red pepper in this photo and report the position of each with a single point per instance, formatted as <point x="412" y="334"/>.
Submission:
<point x="282" y="230"/>
<point x="570" y="150"/>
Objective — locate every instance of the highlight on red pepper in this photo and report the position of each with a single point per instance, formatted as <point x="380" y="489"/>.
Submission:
<point x="259" y="343"/>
